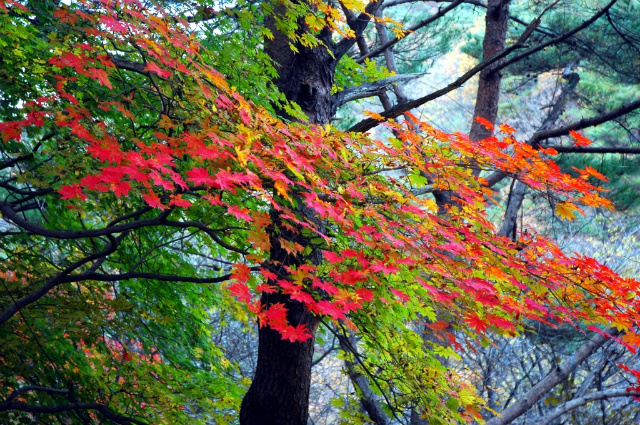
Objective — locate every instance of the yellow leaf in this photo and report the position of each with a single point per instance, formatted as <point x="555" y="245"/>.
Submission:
<point x="282" y="189"/>
<point x="242" y="156"/>
<point x="166" y="123"/>
<point x="358" y="5"/>
<point x="566" y="210"/>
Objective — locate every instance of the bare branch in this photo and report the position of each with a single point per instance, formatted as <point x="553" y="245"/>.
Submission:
<point x="399" y="109"/>
<point x="559" y="374"/>
<point x="104" y="410"/>
<point x="394" y="40"/>
<point x="498" y="176"/>
<point x="558" y="39"/>
<point x="29" y="388"/>
<point x="581" y="401"/>
<point x="608" y="149"/>
<point x="375" y="88"/>
<point x="586" y="122"/>
<point x="358" y="25"/>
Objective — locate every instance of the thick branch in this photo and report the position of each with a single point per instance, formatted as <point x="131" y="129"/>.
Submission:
<point x="104" y="410"/>
<point x="421" y="24"/>
<point x="581" y="401"/>
<point x="582" y="149"/>
<point x="9" y="214"/>
<point x="375" y="88"/>
<point x="29" y="388"/>
<point x="559" y="374"/>
<point x="358" y="25"/>
<point x="128" y="65"/>
<point x="399" y="109"/>
<point x="58" y="279"/>
<point x="498" y="176"/>
<point x="559" y="39"/>
<point x="586" y="122"/>
<point x="143" y="275"/>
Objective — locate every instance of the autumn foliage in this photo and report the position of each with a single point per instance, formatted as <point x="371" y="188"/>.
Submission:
<point x="139" y="118"/>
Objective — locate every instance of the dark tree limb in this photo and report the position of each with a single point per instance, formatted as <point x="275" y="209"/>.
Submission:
<point x="386" y="45"/>
<point x="58" y="279"/>
<point x="128" y="65"/>
<point x="101" y="277"/>
<point x="582" y="149"/>
<point x="559" y="39"/>
<point x="358" y="25"/>
<point x="29" y="388"/>
<point x="586" y="122"/>
<point x="581" y="401"/>
<point x="557" y="375"/>
<point x="399" y="109"/>
<point x="104" y="410"/>
<point x="535" y="140"/>
<point x="9" y="214"/>
<point x="375" y="88"/>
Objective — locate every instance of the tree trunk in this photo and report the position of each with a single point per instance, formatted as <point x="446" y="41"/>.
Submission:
<point x="279" y="393"/>
<point x="488" y="95"/>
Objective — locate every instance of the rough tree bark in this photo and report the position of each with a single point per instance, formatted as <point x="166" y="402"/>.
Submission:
<point x="488" y="95"/>
<point x="279" y="393"/>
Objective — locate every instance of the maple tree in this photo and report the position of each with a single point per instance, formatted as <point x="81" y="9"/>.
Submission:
<point x="127" y="157"/>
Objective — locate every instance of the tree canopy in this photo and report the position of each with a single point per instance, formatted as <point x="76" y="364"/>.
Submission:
<point x="159" y="176"/>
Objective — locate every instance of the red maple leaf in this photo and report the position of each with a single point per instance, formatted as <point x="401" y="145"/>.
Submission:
<point x="299" y="333"/>
<point x="101" y="75"/>
<point x="476" y="323"/>
<point x="485" y="123"/>
<point x="153" y="200"/>
<point x="240" y="291"/>
<point x="153" y="67"/>
<point x="121" y="188"/>
<point x="276" y="315"/>
<point x="330" y="309"/>
<point x="71" y="192"/>
<point x="268" y="274"/>
<point x="11" y="130"/>
<point x="580" y="140"/>
<point x="303" y="297"/>
<point x="240" y="213"/>
<point x="500" y="322"/>
<point x="200" y="176"/>
<point x="365" y="294"/>
<point x="179" y="201"/>
<point x="241" y="272"/>
<point x="331" y="257"/>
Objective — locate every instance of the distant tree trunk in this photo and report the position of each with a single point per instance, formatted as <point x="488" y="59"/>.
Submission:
<point x="488" y="94"/>
<point x="279" y="393"/>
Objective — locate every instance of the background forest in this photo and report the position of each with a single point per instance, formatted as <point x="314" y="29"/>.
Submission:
<point x="286" y="212"/>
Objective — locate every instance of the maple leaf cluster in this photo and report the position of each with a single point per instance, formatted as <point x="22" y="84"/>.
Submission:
<point x="381" y="240"/>
<point x="312" y="190"/>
